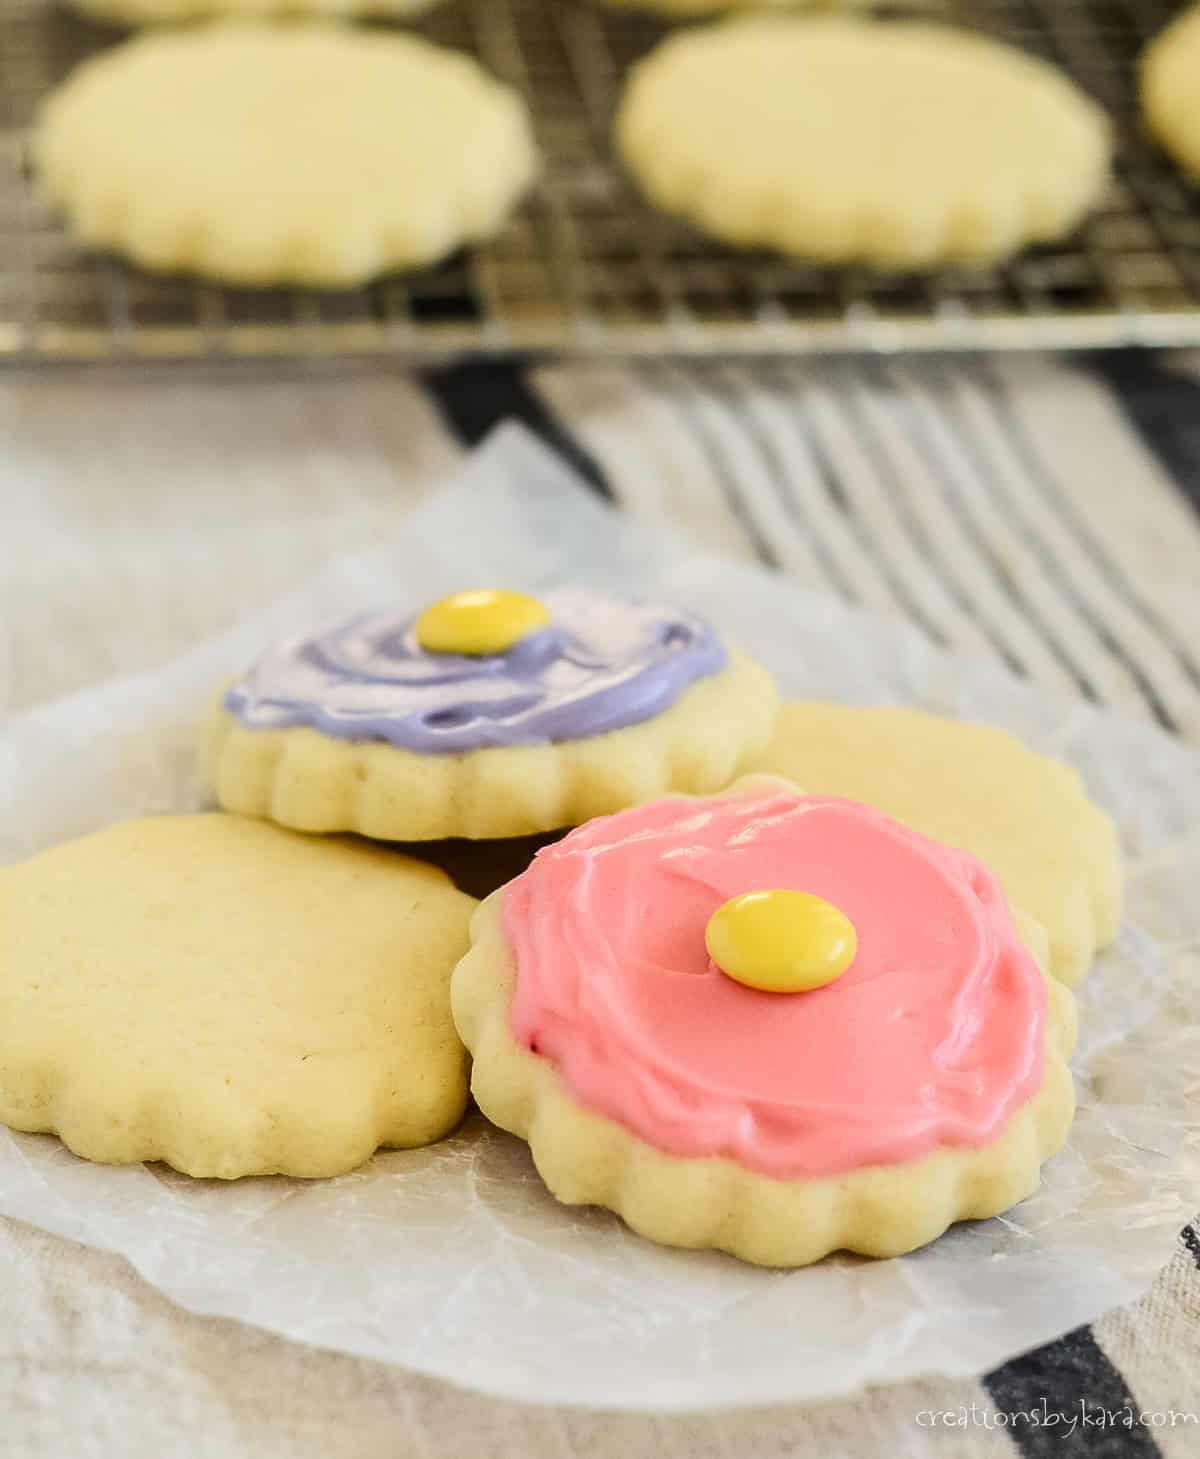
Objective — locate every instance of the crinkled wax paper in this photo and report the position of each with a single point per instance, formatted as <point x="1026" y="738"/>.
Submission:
<point x="454" y="1260"/>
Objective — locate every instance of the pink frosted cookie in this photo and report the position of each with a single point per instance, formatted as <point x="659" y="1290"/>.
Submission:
<point x="770" y="1023"/>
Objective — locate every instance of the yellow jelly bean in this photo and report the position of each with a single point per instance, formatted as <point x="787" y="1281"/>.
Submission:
<point x="781" y="941"/>
<point x="481" y="621"/>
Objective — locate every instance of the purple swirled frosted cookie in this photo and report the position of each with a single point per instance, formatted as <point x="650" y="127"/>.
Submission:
<point x="486" y="714"/>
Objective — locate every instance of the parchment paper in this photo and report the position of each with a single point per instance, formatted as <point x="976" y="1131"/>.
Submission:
<point x="453" y="1260"/>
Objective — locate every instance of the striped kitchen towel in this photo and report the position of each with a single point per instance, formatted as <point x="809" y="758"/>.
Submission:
<point x="1039" y="513"/>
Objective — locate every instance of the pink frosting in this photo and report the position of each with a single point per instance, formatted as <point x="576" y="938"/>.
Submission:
<point x="932" y="1037"/>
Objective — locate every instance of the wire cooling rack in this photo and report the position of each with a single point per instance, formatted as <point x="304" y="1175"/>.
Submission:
<point x="586" y="266"/>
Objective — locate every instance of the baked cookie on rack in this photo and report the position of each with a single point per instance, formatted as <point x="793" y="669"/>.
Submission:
<point x="775" y="1024"/>
<point x="172" y="12"/>
<point x="488" y="714"/>
<point x="1025" y="815"/>
<point x="1169" y="94"/>
<point x="303" y="154"/>
<point x="899" y="144"/>
<point x="695" y="9"/>
<point x="228" y="997"/>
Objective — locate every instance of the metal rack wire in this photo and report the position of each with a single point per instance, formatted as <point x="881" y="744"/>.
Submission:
<point x="585" y="265"/>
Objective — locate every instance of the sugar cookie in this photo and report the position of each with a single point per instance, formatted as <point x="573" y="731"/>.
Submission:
<point x="1169" y="93"/>
<point x="305" y="154"/>
<point x="1024" y="815"/>
<point x="170" y="12"/>
<point x="367" y="728"/>
<point x="682" y="9"/>
<point x="229" y="997"/>
<point x="898" y="144"/>
<point x="924" y="1083"/>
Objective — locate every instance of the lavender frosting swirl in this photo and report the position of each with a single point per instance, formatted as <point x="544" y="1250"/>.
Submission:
<point x="600" y="664"/>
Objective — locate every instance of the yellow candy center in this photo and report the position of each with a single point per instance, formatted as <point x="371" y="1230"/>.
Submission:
<point x="482" y="621"/>
<point x="781" y="941"/>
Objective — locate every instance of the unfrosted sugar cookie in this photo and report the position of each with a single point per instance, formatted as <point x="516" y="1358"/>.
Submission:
<point x="1169" y="92"/>
<point x="679" y="9"/>
<point x="686" y="9"/>
<point x="1027" y="816"/>
<point x="488" y="714"/>
<point x="898" y="144"/>
<point x="229" y="997"/>
<point x="773" y="1024"/>
<point x="304" y="154"/>
<point x="169" y="12"/>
